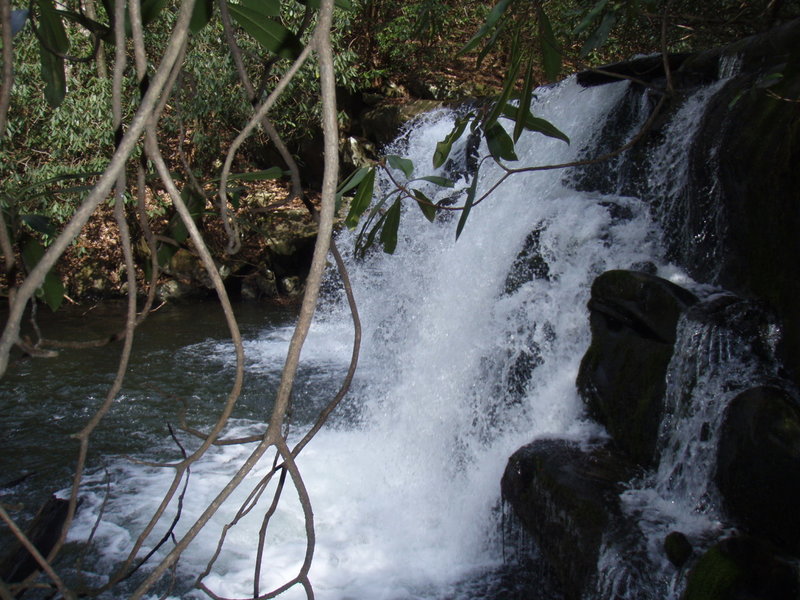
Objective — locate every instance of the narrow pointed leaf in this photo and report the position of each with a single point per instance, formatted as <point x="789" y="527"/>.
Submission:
<point x="270" y="34"/>
<point x="508" y="86"/>
<point x="590" y="16"/>
<point x="426" y="205"/>
<point x="524" y="101"/>
<point x="473" y="189"/>
<point x="500" y="143"/>
<point x="364" y="246"/>
<point x="52" y="290"/>
<point x="51" y="28"/>
<point x="54" y="40"/>
<point x="441" y="181"/>
<point x="375" y="211"/>
<point x="352" y="181"/>
<point x="536" y="123"/>
<point x="271" y="173"/>
<point x="401" y="164"/>
<point x="39" y="223"/>
<point x="201" y="15"/>
<point x="151" y="9"/>
<point x="53" y="76"/>
<point x="444" y="147"/>
<point x="390" y="226"/>
<point x="267" y="8"/>
<point x="551" y="55"/>
<point x="490" y="43"/>
<point x="491" y="20"/>
<point x="599" y="36"/>
<point x="361" y="200"/>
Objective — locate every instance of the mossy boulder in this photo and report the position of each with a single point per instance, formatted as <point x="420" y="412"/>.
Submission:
<point x="741" y="568"/>
<point x="758" y="464"/>
<point x="633" y="318"/>
<point x="566" y="498"/>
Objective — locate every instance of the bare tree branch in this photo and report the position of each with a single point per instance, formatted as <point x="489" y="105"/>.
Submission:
<point x="8" y="67"/>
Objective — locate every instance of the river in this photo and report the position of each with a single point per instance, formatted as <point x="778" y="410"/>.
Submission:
<point x="470" y="351"/>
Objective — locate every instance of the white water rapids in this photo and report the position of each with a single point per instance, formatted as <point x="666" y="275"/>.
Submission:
<point x="406" y="484"/>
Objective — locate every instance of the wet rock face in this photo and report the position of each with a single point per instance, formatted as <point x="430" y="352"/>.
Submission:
<point x="566" y="497"/>
<point x="758" y="464"/>
<point x="633" y="317"/>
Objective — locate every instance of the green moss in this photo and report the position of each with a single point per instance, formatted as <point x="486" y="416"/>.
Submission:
<point x="713" y="578"/>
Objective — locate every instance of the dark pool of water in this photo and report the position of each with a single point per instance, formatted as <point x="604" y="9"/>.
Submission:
<point x="181" y="353"/>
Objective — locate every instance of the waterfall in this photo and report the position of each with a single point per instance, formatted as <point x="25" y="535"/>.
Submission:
<point x="471" y="349"/>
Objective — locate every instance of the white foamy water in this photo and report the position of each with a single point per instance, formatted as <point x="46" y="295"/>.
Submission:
<point x="406" y="496"/>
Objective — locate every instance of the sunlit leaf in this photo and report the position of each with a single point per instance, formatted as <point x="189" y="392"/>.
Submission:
<point x="425" y="204"/>
<point x="444" y="147"/>
<point x="500" y="143"/>
<point x="269" y="33"/>
<point x="401" y="164"/>
<point x="473" y="188"/>
<point x="361" y="200"/>
<point x="390" y="225"/>
<point x="551" y="55"/>
<point x="491" y="20"/>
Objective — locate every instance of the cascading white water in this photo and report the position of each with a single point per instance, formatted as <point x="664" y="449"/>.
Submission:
<point x="405" y="486"/>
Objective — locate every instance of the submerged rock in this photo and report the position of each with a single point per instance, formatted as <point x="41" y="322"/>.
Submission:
<point x="633" y="317"/>
<point x="677" y="548"/>
<point x="566" y="497"/>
